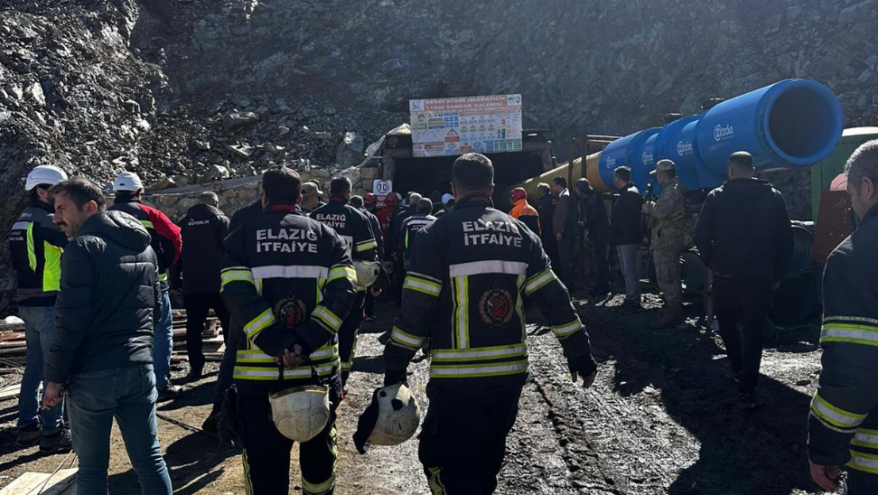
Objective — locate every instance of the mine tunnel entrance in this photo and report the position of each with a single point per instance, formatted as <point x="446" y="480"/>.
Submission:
<point x="425" y="175"/>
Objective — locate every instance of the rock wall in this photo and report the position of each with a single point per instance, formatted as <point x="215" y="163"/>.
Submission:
<point x="184" y="91"/>
<point x="611" y="67"/>
<point x="236" y="194"/>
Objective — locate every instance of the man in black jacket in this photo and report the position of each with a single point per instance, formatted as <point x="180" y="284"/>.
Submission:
<point x="102" y="348"/>
<point x="546" y="209"/>
<point x="227" y="366"/>
<point x="354" y="228"/>
<point x="626" y="235"/>
<point x="197" y="274"/>
<point x="598" y="227"/>
<point x="167" y="243"/>
<point x="744" y="236"/>
<point x="565" y="224"/>
<point x="469" y="272"/>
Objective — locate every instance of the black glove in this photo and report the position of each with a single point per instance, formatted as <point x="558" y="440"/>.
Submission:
<point x="392" y="377"/>
<point x="582" y="365"/>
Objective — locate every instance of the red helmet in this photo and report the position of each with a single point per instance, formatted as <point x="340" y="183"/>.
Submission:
<point x="369" y="199"/>
<point x="517" y="194"/>
<point x="390" y="200"/>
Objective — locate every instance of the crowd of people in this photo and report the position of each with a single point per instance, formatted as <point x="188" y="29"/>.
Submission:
<point x="291" y="278"/>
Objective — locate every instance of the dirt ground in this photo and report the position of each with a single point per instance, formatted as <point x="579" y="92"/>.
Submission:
<point x="661" y="418"/>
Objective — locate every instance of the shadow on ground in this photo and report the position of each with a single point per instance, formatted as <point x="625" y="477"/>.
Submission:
<point x="192" y="461"/>
<point x="742" y="452"/>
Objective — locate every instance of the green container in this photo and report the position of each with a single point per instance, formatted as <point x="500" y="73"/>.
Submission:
<point x="825" y="171"/>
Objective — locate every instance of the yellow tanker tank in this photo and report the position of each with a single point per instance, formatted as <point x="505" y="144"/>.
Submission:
<point x="591" y="166"/>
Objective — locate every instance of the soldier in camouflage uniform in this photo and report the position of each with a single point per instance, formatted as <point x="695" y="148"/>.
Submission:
<point x="668" y="217"/>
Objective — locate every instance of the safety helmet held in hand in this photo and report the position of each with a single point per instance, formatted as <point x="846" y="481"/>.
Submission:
<point x="367" y="273"/>
<point x="300" y="413"/>
<point x="127" y="181"/>
<point x="44" y="175"/>
<point x="391" y="418"/>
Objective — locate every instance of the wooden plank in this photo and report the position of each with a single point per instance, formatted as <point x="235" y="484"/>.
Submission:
<point x="43" y="483"/>
<point x="25" y="484"/>
<point x="10" y="392"/>
<point x="59" y="483"/>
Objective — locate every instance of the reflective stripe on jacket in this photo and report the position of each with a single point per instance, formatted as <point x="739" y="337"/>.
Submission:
<point x="287" y="279"/>
<point x="36" y="245"/>
<point x="843" y="421"/>
<point x="464" y="290"/>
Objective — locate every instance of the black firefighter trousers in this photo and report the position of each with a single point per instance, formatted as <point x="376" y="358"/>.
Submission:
<point x="198" y="306"/>
<point x="348" y="335"/>
<point x="463" y="441"/>
<point x="267" y="452"/>
<point x="745" y="300"/>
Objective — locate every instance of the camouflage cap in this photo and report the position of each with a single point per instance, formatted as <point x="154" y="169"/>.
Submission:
<point x="310" y="189"/>
<point x="664" y="166"/>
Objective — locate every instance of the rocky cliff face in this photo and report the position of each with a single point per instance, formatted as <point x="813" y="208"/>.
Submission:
<point x="183" y="90"/>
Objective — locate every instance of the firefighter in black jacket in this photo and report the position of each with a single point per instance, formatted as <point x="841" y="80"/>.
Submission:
<point x="409" y="229"/>
<point x="393" y="232"/>
<point x="363" y="205"/>
<point x="355" y="229"/>
<point x="843" y="424"/>
<point x="290" y="281"/>
<point x="464" y="291"/>
<point x="197" y="274"/>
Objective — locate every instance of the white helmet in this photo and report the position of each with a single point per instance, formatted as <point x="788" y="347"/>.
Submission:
<point x="391" y="418"/>
<point x="300" y="413"/>
<point x="127" y="181"/>
<point x="367" y="273"/>
<point x="44" y="175"/>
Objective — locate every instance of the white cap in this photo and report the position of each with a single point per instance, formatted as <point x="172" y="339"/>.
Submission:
<point x="127" y="181"/>
<point x="44" y="175"/>
<point x="446" y="198"/>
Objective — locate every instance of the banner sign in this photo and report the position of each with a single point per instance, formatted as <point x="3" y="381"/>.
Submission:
<point x="454" y="126"/>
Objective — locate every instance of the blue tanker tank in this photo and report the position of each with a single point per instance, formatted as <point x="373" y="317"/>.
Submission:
<point x="792" y="124"/>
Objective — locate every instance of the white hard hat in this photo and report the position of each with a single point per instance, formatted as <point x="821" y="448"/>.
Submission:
<point x="446" y="198"/>
<point x="391" y="418"/>
<point x="44" y="175"/>
<point x="127" y="181"/>
<point x="300" y="413"/>
<point x="367" y="273"/>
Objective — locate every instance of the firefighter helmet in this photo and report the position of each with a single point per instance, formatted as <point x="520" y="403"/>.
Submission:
<point x="391" y="418"/>
<point x="367" y="273"/>
<point x="300" y="413"/>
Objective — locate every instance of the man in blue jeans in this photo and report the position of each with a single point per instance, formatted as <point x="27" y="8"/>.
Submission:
<point x="626" y="235"/>
<point x="101" y="353"/>
<point x="166" y="241"/>
<point x="35" y="245"/>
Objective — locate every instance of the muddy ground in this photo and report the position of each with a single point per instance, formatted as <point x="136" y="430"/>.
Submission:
<point x="661" y="418"/>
